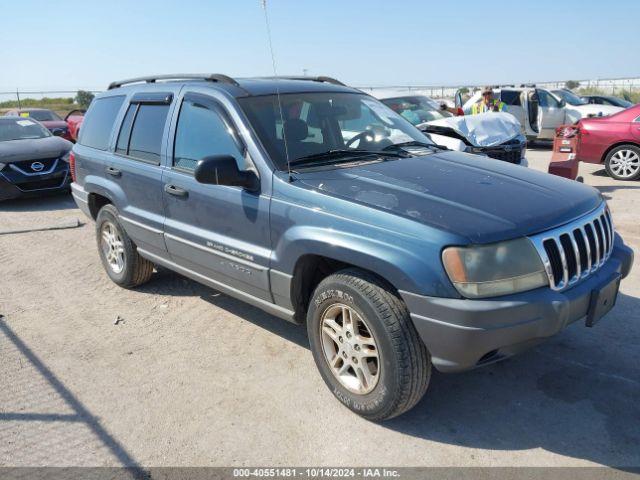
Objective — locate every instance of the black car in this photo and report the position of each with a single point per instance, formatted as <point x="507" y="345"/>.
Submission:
<point x="32" y="160"/>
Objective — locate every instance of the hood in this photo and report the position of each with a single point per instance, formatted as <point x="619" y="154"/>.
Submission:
<point x="484" y="130"/>
<point x="594" y="110"/>
<point x="482" y="200"/>
<point x="33" y="149"/>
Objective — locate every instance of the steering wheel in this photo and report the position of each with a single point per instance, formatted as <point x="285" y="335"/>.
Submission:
<point x="360" y="136"/>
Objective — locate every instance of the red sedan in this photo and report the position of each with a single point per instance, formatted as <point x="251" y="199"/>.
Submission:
<point x="613" y="140"/>
<point x="74" y="119"/>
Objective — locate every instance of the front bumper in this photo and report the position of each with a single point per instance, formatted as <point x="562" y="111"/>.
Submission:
<point x="16" y="183"/>
<point x="462" y="334"/>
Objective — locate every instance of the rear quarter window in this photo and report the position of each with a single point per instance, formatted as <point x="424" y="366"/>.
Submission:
<point x="99" y="120"/>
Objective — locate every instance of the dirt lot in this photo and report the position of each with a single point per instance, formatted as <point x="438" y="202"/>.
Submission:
<point x="192" y="377"/>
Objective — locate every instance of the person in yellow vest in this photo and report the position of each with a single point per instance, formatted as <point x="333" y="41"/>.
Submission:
<point x="488" y="103"/>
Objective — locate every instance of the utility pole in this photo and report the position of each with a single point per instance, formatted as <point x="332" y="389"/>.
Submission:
<point x="18" y="95"/>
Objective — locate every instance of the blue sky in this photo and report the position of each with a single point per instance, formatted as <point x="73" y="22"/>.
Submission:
<point x="73" y="44"/>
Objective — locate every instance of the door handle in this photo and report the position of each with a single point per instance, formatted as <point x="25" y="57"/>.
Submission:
<point x="177" y="191"/>
<point x="113" y="171"/>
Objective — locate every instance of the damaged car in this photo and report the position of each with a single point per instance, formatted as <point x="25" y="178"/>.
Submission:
<point x="539" y="111"/>
<point x="494" y="134"/>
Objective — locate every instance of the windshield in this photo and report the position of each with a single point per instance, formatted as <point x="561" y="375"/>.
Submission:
<point x="570" y="97"/>
<point x="40" y="115"/>
<point x="324" y="123"/>
<point x="619" y="102"/>
<point x="416" y="109"/>
<point x="16" y="128"/>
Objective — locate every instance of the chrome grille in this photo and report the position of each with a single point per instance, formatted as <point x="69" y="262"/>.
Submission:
<point x="573" y="252"/>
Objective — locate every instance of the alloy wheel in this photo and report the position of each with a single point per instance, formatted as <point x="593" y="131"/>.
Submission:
<point x="625" y="163"/>
<point x="112" y="247"/>
<point x="350" y="349"/>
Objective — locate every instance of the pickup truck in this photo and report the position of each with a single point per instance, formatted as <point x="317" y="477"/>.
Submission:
<point x="399" y="256"/>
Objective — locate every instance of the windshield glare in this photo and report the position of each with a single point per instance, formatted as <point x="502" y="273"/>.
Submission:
<point x="315" y="123"/>
<point x="416" y="109"/>
<point x="40" y="115"/>
<point x="570" y="97"/>
<point x="21" y="129"/>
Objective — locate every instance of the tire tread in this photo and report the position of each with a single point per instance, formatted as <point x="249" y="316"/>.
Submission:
<point x="414" y="359"/>
<point x="142" y="269"/>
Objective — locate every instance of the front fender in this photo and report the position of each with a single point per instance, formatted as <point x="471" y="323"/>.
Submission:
<point x="407" y="263"/>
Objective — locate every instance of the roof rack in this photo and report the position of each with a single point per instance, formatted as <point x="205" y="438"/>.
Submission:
<point x="210" y="77"/>
<point x="316" y="79"/>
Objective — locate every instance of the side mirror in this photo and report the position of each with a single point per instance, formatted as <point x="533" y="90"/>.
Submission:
<point x="58" y="132"/>
<point x="563" y="103"/>
<point x="223" y="170"/>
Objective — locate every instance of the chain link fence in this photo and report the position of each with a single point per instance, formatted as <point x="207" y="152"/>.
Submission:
<point x="611" y="86"/>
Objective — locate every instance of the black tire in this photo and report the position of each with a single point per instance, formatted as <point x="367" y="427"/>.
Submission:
<point x="136" y="269"/>
<point x="404" y="362"/>
<point x="610" y="158"/>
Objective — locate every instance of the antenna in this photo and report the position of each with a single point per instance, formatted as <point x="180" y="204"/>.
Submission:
<point x="18" y="95"/>
<point x="275" y="74"/>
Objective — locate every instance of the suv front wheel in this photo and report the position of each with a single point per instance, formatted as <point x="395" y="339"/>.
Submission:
<point x="365" y="345"/>
<point x="119" y="255"/>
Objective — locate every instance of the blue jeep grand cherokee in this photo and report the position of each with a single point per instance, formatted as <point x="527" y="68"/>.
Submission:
<point x="320" y="205"/>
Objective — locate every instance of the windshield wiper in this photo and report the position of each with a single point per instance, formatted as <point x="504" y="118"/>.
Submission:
<point x="414" y="143"/>
<point x="341" y="155"/>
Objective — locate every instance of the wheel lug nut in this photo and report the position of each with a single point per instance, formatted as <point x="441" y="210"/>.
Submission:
<point x="357" y="348"/>
<point x="344" y="354"/>
<point x="354" y="359"/>
<point x="340" y="339"/>
<point x="348" y="334"/>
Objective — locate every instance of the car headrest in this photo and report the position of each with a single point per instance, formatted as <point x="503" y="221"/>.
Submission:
<point x="295" y="130"/>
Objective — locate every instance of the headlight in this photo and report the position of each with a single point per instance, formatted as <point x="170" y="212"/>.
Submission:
<point x="493" y="270"/>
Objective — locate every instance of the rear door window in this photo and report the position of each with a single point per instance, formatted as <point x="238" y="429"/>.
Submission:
<point x="122" y="147"/>
<point x="142" y="132"/>
<point x="98" y="123"/>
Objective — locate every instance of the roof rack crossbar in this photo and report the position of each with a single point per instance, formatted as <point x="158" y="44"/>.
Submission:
<point x="316" y="79"/>
<point x="210" y="77"/>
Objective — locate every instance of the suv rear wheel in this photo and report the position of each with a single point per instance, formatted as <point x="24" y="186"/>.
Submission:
<point x="119" y="255"/>
<point x="623" y="162"/>
<point x="365" y="345"/>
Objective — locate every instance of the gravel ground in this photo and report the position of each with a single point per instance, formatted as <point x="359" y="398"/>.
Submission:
<point x="193" y="377"/>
